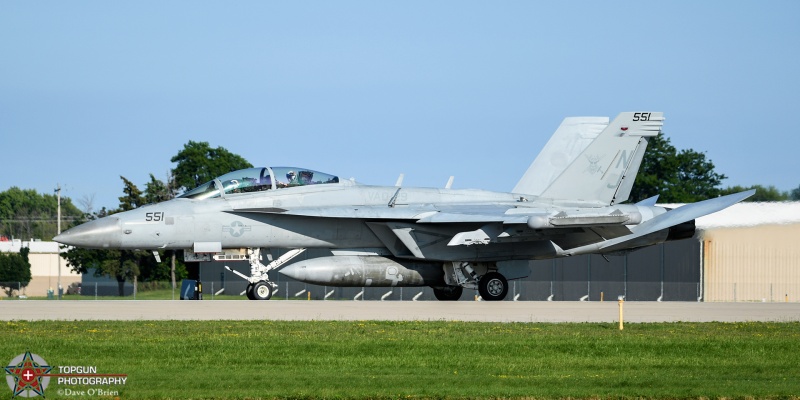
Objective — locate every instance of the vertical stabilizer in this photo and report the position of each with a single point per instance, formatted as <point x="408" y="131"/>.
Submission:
<point x="604" y="172"/>
<point x="567" y="143"/>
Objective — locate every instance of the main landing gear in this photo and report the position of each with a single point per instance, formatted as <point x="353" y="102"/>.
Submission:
<point x="259" y="286"/>
<point x="491" y="285"/>
<point x="448" y="293"/>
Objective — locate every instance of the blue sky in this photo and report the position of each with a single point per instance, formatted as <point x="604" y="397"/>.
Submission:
<point x="90" y="90"/>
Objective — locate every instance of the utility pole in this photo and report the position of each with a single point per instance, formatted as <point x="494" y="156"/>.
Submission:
<point x="58" y="224"/>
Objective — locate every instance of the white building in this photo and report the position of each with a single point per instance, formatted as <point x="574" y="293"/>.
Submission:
<point x="751" y="252"/>
<point x="45" y="263"/>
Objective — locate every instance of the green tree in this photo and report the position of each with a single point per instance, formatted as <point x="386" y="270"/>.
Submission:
<point x="133" y="196"/>
<point x="677" y="177"/>
<point x="24" y="213"/>
<point x="152" y="271"/>
<point x="198" y="163"/>
<point x="117" y="264"/>
<point x="770" y="193"/>
<point x="15" y="271"/>
<point x="156" y="191"/>
<point x="795" y="194"/>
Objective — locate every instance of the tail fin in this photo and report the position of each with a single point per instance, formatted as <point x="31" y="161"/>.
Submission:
<point x="604" y="172"/>
<point x="567" y="143"/>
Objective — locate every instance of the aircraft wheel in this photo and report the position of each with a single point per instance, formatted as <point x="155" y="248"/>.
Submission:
<point x="493" y="287"/>
<point x="249" y="292"/>
<point x="448" y="293"/>
<point x="262" y="291"/>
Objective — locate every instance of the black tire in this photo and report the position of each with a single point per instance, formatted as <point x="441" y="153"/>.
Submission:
<point x="493" y="287"/>
<point x="448" y="293"/>
<point x="262" y="291"/>
<point x="249" y="292"/>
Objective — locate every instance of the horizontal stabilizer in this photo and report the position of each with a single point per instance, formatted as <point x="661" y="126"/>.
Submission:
<point x="664" y="221"/>
<point x="689" y="212"/>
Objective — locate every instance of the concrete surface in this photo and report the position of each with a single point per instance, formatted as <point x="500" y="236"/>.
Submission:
<point x="505" y="311"/>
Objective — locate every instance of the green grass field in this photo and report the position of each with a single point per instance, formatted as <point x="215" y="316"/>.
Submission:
<point x="447" y="360"/>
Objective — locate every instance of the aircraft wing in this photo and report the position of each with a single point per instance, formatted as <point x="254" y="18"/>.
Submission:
<point x="606" y="231"/>
<point x="492" y="220"/>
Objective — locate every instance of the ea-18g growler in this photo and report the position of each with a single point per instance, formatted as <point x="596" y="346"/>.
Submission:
<point x="570" y="201"/>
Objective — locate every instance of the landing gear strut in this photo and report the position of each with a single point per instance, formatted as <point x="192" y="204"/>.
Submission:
<point x="491" y="285"/>
<point x="259" y="286"/>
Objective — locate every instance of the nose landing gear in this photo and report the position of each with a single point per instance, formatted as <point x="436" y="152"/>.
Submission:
<point x="260" y="287"/>
<point x="262" y="290"/>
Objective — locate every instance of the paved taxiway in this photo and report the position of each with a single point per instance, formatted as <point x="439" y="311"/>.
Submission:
<point x="505" y="311"/>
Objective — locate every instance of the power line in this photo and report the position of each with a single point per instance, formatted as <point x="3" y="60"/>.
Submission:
<point x="41" y="219"/>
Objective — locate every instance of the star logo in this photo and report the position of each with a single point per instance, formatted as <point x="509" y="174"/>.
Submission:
<point x="26" y="375"/>
<point x="236" y="229"/>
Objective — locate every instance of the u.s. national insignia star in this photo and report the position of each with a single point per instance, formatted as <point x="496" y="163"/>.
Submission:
<point x="236" y="228"/>
<point x="28" y="375"/>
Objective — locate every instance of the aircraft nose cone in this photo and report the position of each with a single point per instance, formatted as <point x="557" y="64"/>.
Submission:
<point x="97" y="234"/>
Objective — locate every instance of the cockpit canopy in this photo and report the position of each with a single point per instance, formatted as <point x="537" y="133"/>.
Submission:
<point x="258" y="179"/>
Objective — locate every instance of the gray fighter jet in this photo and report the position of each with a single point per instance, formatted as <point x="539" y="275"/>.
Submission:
<point x="568" y="202"/>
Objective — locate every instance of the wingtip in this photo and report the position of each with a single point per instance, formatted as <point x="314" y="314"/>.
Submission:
<point x="742" y="195"/>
